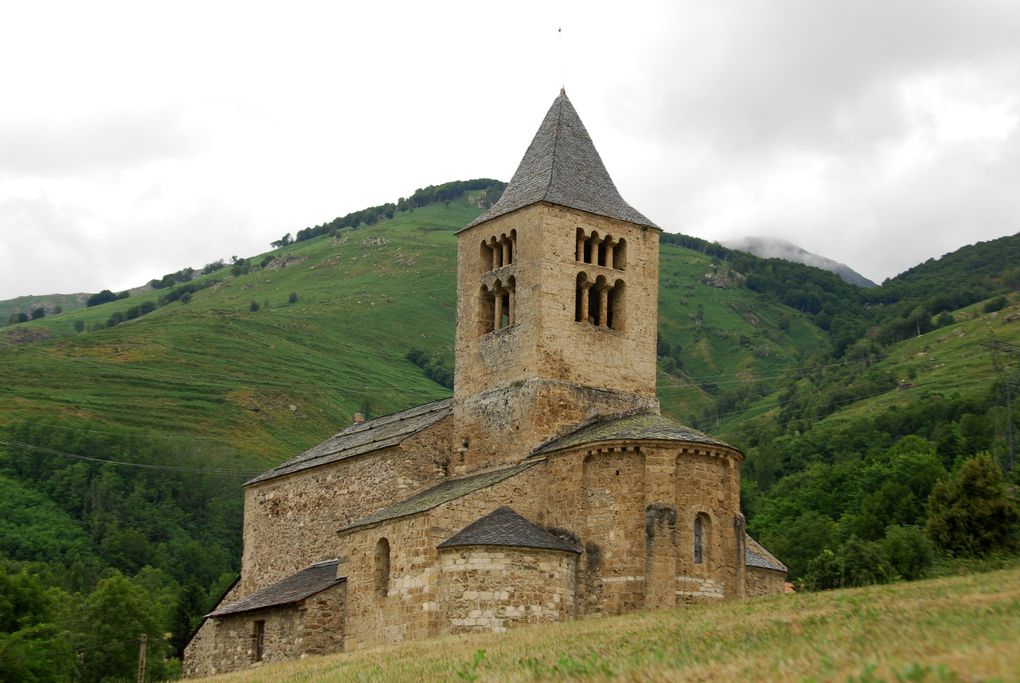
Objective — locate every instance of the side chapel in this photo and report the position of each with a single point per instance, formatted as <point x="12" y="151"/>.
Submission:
<point x="547" y="488"/>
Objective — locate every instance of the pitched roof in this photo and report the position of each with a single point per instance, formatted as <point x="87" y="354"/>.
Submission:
<point x="381" y="432"/>
<point x="505" y="527"/>
<point x="439" y="494"/>
<point x="563" y="167"/>
<point x="628" y="427"/>
<point x="755" y="555"/>
<point x="309" y="581"/>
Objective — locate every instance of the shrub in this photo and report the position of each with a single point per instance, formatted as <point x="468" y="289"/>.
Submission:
<point x="254" y="306"/>
<point x="102" y="297"/>
<point x="996" y="304"/>
<point x="292" y="299"/>
<point x="79" y="325"/>
<point x="38" y="313"/>
<point x="908" y="551"/>
<point x="972" y="514"/>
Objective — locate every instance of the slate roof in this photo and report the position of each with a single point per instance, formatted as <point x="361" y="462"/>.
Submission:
<point x="504" y="527"/>
<point x="628" y="427"/>
<point x="563" y="167"/>
<point x="381" y="432"/>
<point x="755" y="555"/>
<point x="314" y="579"/>
<point x="439" y="494"/>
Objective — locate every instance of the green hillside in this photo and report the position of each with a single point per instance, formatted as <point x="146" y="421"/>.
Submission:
<point x="128" y="427"/>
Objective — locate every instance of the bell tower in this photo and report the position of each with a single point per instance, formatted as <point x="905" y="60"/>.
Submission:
<point x="557" y="289"/>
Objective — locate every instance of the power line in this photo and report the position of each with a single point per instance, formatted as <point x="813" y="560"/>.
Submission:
<point x="171" y="468"/>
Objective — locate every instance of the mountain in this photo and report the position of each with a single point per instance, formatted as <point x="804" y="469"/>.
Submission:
<point x="773" y="247"/>
<point x="127" y="427"/>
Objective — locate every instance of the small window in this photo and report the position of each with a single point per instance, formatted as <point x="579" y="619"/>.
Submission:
<point x="382" y="567"/>
<point x="702" y="532"/>
<point x="258" y="639"/>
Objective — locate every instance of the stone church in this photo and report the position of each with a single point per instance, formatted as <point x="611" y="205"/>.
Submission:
<point x="547" y="488"/>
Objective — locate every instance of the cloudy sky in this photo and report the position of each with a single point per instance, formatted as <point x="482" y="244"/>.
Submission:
<point x="137" y="138"/>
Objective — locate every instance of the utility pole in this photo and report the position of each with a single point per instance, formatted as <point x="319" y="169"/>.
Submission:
<point x="142" y="642"/>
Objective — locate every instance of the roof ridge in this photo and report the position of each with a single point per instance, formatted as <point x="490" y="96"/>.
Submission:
<point x="556" y="143"/>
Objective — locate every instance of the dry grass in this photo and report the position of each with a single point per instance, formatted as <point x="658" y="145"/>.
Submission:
<point x="952" y="629"/>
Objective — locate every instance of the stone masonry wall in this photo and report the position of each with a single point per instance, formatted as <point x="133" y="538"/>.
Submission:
<point x="765" y="582"/>
<point x="313" y="626"/>
<point x="708" y="485"/>
<point x="409" y="609"/>
<point x="292" y="522"/>
<point x="632" y="508"/>
<point x="490" y="588"/>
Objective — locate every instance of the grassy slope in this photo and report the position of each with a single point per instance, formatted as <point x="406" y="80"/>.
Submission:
<point x="959" y="628"/>
<point x="260" y="386"/>
<point x="25" y="304"/>
<point x="949" y="361"/>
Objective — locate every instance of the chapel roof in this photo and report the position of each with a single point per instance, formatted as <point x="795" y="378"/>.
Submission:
<point x="563" y="167"/>
<point x="382" y="432"/>
<point x="307" y="582"/>
<point x="443" y="492"/>
<point x="642" y="426"/>
<point x="755" y="555"/>
<point x="504" y="527"/>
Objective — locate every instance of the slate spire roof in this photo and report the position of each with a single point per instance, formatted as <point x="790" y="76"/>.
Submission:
<point x="563" y="167"/>
<point x="504" y="527"/>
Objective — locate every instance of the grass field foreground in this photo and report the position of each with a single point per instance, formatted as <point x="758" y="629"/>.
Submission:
<point x="961" y="628"/>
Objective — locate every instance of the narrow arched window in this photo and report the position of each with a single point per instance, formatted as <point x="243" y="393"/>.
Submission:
<point x="485" y="257"/>
<point x="702" y="538"/>
<point x="486" y="311"/>
<point x="581" y="312"/>
<point x="382" y="567"/>
<point x="698" y="539"/>
<point x="620" y="255"/>
<point x="616" y="309"/>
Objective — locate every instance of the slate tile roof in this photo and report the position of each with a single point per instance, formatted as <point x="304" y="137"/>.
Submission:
<point x="504" y="527"/>
<point x="562" y="166"/>
<point x="755" y="555"/>
<point x="640" y="426"/>
<point x="382" y="432"/>
<point x="307" y="582"/>
<point x="441" y="493"/>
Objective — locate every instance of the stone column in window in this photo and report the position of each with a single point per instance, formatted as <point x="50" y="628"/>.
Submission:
<point x="580" y="245"/>
<point x="497" y="253"/>
<point x="497" y="291"/>
<point x="609" y="252"/>
<point x="604" y="305"/>
<point x="512" y="307"/>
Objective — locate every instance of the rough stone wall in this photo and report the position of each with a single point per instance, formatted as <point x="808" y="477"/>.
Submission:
<point x="708" y="484"/>
<point x="637" y="526"/>
<point x="410" y="608"/>
<point x="521" y="385"/>
<point x="504" y="424"/>
<point x="490" y="589"/>
<point x="313" y="626"/>
<point x="291" y="522"/>
<point x="614" y="529"/>
<point x="765" y="582"/>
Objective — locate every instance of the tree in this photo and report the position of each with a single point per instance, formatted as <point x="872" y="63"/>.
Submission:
<point x="187" y="616"/>
<point x="102" y="297"/>
<point x="112" y="619"/>
<point x="908" y="550"/>
<point x="972" y="514"/>
<point x="38" y="313"/>
<point x="32" y="646"/>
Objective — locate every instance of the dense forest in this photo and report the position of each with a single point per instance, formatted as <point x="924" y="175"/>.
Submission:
<point x="113" y="529"/>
